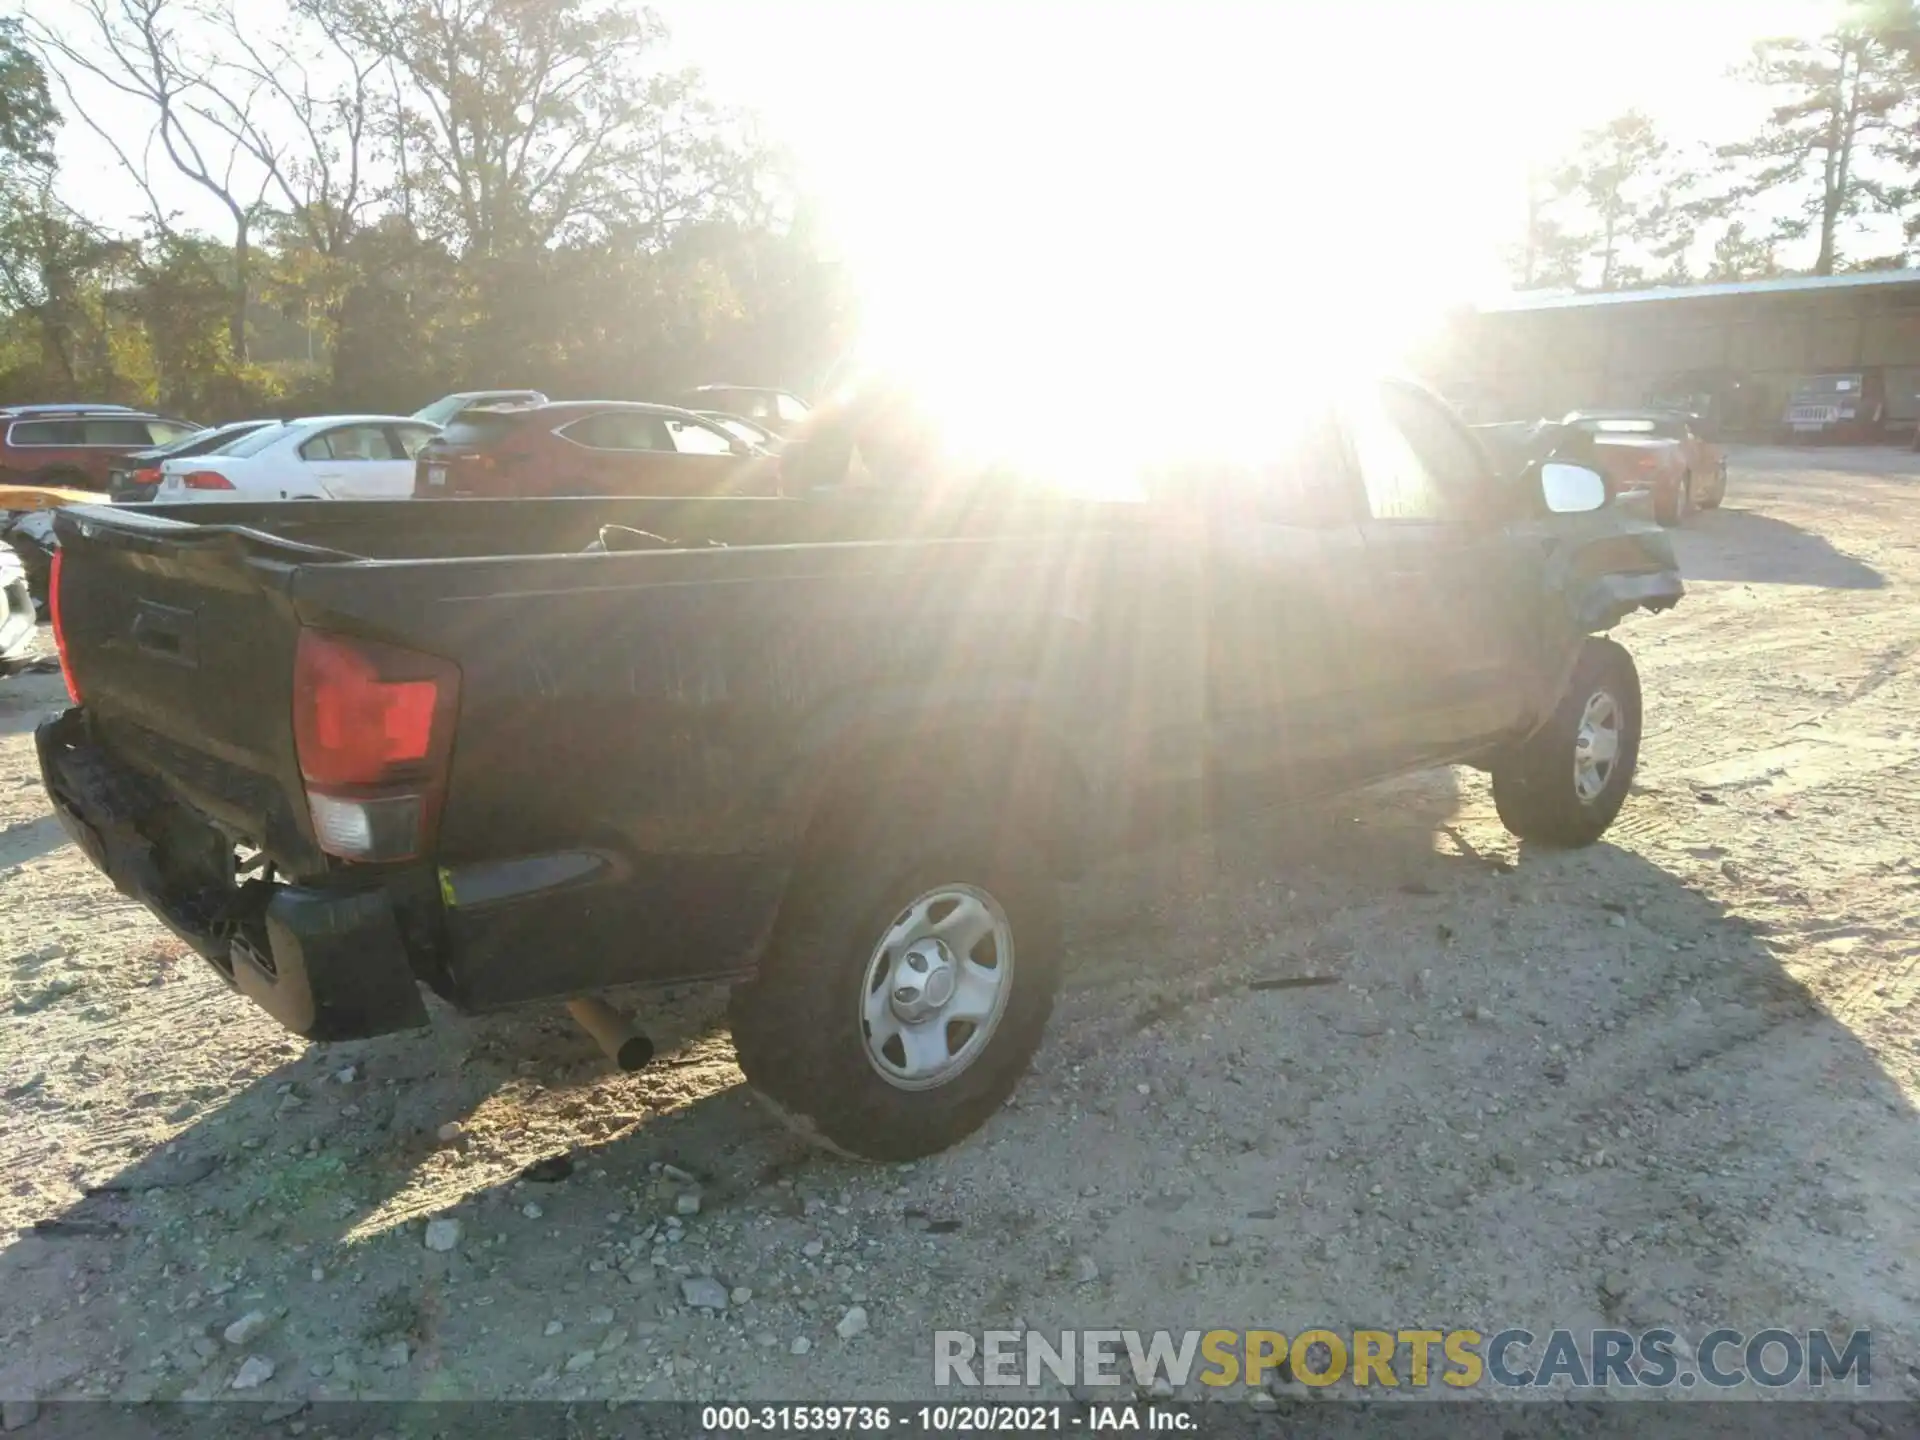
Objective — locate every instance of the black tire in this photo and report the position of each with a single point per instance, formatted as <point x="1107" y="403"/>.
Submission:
<point x="1671" y="514"/>
<point x="1534" y="785"/>
<point x="1719" y="491"/>
<point x="798" y="1026"/>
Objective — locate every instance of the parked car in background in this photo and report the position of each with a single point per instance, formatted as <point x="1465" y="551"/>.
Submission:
<point x="17" y="615"/>
<point x="74" y="445"/>
<point x="745" y="429"/>
<point x="1847" y="407"/>
<point x="591" y="447"/>
<point x="323" y="457"/>
<point x="133" y="478"/>
<point x="1720" y="403"/>
<point x="775" y="410"/>
<point x="1660" y="453"/>
<point x="447" y="406"/>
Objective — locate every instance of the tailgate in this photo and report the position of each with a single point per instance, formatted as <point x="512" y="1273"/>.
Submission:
<point x="180" y="639"/>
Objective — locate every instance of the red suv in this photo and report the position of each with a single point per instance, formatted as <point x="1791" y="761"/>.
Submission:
<point x="73" y="445"/>
<point x="590" y="447"/>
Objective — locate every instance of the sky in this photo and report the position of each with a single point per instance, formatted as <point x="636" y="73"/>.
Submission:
<point x="979" y="164"/>
<point x="1380" y="137"/>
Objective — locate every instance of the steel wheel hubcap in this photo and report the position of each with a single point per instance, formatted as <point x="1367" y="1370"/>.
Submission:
<point x="936" y="987"/>
<point x="1596" y="748"/>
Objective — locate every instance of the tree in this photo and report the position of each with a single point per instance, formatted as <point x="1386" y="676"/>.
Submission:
<point x="1550" y="253"/>
<point x="437" y="194"/>
<point x="523" y="125"/>
<point x="1622" y="177"/>
<point x="1738" y="256"/>
<point x="134" y="46"/>
<point x="1836" y="108"/>
<point x="27" y="116"/>
<point x="54" y="269"/>
<point x="1615" y="212"/>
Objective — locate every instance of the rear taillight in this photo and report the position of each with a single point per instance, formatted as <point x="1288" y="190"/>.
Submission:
<point x="373" y="728"/>
<point x="59" y="630"/>
<point x="1647" y="462"/>
<point x="207" y="480"/>
<point x="149" y="476"/>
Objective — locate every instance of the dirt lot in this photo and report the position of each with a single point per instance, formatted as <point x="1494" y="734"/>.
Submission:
<point x="1670" y="1079"/>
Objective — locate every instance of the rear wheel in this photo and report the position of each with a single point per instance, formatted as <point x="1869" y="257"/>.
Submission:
<point x="906" y="987"/>
<point x="1565" y="784"/>
<point x="1712" y="502"/>
<point x="1672" y="511"/>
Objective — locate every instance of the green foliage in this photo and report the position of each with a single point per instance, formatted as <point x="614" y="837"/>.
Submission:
<point x="1837" y="101"/>
<point x="1838" y="144"/>
<point x="27" y="115"/>
<point x="454" y="194"/>
<point x="1613" y="214"/>
<point x="1738" y="256"/>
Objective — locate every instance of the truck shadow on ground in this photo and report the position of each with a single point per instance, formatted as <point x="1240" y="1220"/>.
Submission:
<point x="1595" y="991"/>
<point x="1745" y="545"/>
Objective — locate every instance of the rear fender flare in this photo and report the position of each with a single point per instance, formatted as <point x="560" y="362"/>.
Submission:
<point x="1596" y="607"/>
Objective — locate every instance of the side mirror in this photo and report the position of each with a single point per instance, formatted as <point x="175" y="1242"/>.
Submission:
<point x="1571" y="489"/>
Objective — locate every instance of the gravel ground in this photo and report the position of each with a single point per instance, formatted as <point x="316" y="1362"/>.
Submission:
<point x="1669" y="1079"/>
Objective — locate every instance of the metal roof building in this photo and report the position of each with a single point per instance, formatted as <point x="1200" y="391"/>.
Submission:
<point x="1531" y="354"/>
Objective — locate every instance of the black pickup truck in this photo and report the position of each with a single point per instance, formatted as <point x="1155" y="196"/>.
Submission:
<point x="841" y="746"/>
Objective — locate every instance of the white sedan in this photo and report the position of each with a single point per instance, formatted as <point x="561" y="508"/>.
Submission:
<point x="324" y="457"/>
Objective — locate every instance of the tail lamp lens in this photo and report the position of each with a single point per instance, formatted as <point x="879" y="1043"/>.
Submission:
<point x="373" y="728"/>
<point x="207" y="480"/>
<point x="60" y="630"/>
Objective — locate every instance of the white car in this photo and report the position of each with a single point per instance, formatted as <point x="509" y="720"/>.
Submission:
<point x="448" y="406"/>
<point x="324" y="457"/>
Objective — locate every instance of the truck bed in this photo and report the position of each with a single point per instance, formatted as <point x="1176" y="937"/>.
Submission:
<point x="337" y="531"/>
<point x="656" y="703"/>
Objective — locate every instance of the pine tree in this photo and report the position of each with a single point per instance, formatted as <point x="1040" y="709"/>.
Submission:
<point x="1838" y="100"/>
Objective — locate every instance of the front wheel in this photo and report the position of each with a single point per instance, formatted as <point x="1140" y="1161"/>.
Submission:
<point x="905" y="990"/>
<point x="1565" y="784"/>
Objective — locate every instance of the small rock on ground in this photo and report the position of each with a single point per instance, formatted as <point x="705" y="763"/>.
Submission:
<point x="246" y="1327"/>
<point x="853" y="1323"/>
<point x="254" y="1372"/>
<point x="703" y="1292"/>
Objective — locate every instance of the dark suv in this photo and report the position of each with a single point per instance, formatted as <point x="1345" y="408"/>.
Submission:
<point x="75" y="445"/>
<point x="134" y="478"/>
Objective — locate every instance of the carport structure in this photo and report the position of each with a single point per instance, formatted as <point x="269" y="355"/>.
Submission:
<point x="1745" y="342"/>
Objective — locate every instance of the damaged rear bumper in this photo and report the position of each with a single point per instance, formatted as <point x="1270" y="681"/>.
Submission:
<point x="329" y="965"/>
